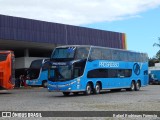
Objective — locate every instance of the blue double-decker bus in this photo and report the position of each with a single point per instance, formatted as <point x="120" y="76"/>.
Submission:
<point x="90" y="69"/>
<point x="36" y="74"/>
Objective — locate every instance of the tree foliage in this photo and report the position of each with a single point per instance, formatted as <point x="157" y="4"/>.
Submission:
<point x="152" y="62"/>
<point x="157" y="45"/>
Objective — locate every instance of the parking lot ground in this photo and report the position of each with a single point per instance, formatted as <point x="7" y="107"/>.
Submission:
<point x="39" y="99"/>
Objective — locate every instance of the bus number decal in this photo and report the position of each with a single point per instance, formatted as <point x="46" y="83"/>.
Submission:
<point x="108" y="64"/>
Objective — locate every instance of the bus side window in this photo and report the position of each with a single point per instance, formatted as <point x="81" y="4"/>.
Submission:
<point x="128" y="72"/>
<point x="115" y="55"/>
<point x="112" y="73"/>
<point x="95" y="54"/>
<point x="82" y="53"/>
<point x="92" y="55"/>
<point x="98" y="73"/>
<point x="120" y="73"/>
<point x="138" y="58"/>
<point x="123" y="55"/>
<point x="106" y="54"/>
<point x="132" y="57"/>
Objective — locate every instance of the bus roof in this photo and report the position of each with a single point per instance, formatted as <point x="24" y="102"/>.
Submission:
<point x="99" y="47"/>
<point x="73" y="46"/>
<point x="6" y="51"/>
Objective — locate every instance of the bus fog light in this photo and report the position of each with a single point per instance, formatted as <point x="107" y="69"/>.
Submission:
<point x="69" y="88"/>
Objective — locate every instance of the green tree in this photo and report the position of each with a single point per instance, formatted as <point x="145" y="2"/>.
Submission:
<point x="158" y="55"/>
<point x="152" y="62"/>
<point x="157" y="45"/>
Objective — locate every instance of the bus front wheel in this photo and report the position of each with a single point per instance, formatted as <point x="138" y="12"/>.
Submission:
<point x="44" y="84"/>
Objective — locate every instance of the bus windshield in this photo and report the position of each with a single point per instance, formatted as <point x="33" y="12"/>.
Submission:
<point x="37" y="64"/>
<point x="60" y="73"/>
<point x="70" y="53"/>
<point x="34" y="70"/>
<point x="36" y="67"/>
<point x="64" y="52"/>
<point x="3" y="56"/>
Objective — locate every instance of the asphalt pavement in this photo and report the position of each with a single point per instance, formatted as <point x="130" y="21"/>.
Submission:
<point x="39" y="99"/>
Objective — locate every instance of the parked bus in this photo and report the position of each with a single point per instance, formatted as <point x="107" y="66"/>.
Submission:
<point x="154" y="77"/>
<point x="36" y="76"/>
<point x="90" y="69"/>
<point x="7" y="71"/>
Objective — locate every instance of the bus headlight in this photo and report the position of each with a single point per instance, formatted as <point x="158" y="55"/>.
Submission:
<point x="70" y="83"/>
<point x="69" y="88"/>
<point x="78" y="80"/>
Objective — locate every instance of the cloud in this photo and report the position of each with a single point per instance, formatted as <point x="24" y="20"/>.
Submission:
<point x="76" y="12"/>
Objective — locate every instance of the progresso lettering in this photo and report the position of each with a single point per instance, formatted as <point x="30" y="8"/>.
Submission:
<point x="108" y="64"/>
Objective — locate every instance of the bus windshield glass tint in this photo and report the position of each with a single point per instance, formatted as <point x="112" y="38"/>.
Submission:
<point x="64" y="52"/>
<point x="3" y="57"/>
<point x="62" y="73"/>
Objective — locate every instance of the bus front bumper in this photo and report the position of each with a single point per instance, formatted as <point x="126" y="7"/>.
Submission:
<point x="63" y="86"/>
<point x="32" y="82"/>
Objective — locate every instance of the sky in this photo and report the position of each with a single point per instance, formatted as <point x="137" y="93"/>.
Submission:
<point x="138" y="19"/>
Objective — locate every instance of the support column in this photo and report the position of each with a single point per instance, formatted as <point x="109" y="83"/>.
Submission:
<point x="26" y="52"/>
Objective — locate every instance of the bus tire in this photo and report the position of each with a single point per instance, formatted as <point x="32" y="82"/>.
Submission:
<point x="138" y="85"/>
<point x="132" y="88"/>
<point x="88" y="89"/>
<point x="44" y="84"/>
<point x="97" y="88"/>
<point x="66" y="93"/>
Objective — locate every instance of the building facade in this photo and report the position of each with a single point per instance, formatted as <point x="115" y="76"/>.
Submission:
<point x="32" y="38"/>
